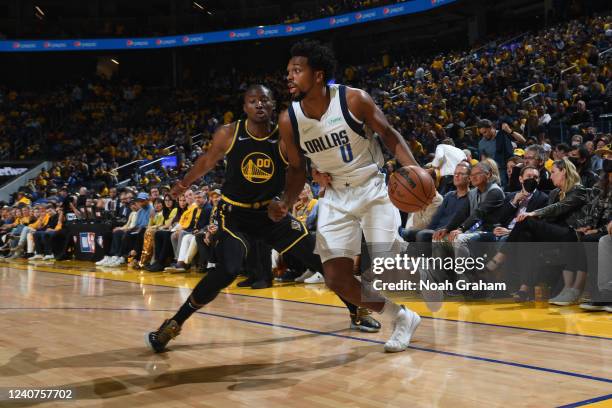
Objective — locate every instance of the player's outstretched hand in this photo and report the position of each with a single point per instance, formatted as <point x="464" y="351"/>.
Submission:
<point x="277" y="210"/>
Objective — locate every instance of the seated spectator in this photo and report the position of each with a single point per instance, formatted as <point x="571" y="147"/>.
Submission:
<point x="557" y="222"/>
<point x="420" y="220"/>
<point x="561" y="151"/>
<point x="595" y="226"/>
<point x="485" y="202"/>
<point x="43" y="239"/>
<point x="582" y="116"/>
<point x="205" y="240"/>
<point x="513" y="162"/>
<point x="133" y="241"/>
<point x="535" y="156"/>
<point x="26" y="240"/>
<point x="114" y="257"/>
<point x="454" y="202"/>
<point x="296" y="270"/>
<point x="528" y="199"/>
<point x="581" y="158"/>
<point x="187" y="245"/>
<point x="163" y="238"/>
<point x="165" y="212"/>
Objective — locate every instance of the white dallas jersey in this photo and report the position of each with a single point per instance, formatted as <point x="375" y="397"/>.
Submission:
<point x="337" y="144"/>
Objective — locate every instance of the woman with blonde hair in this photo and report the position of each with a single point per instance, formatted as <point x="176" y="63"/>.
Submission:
<point x="557" y="222"/>
<point x="304" y="205"/>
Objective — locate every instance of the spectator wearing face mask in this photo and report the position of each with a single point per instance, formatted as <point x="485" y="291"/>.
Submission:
<point x="528" y="199"/>
<point x="557" y="222"/>
<point x="581" y="158"/>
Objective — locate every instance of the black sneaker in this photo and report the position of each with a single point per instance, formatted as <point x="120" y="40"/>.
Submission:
<point x="246" y="283"/>
<point x="363" y="321"/>
<point x="158" y="339"/>
<point x="155" y="267"/>
<point x="289" y="276"/>
<point x="261" y="284"/>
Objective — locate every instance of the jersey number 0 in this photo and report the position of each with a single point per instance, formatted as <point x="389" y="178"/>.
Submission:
<point x="346" y="152"/>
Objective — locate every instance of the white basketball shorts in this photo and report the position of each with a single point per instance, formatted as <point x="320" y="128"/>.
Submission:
<point x="348" y="210"/>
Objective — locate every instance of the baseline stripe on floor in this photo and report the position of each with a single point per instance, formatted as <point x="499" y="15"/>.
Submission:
<point x="311" y="331"/>
<point x="325" y="305"/>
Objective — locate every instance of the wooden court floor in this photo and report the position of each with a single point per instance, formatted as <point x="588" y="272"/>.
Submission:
<point x="73" y="327"/>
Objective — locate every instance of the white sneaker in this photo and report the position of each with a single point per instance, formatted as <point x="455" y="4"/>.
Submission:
<point x="48" y="258"/>
<point x="36" y="257"/>
<point x="316" y="278"/>
<point x="404" y="326"/>
<point x="112" y="261"/>
<point x="103" y="261"/>
<point x="304" y="276"/>
<point x="118" y="261"/>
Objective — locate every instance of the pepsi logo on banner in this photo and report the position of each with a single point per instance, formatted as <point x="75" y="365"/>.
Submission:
<point x="239" y="34"/>
<point x="340" y="20"/>
<point x="365" y="16"/>
<point x="328" y="22"/>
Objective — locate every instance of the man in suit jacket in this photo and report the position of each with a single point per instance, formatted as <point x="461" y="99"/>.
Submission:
<point x="528" y="199"/>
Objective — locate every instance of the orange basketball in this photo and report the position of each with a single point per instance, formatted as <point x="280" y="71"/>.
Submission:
<point x="411" y="188"/>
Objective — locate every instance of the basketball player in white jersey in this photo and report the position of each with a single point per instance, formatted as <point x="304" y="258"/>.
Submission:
<point x="326" y="124"/>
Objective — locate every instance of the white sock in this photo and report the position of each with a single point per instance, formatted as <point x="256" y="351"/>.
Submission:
<point x="390" y="309"/>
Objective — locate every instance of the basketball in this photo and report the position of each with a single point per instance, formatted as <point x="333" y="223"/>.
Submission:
<point x="411" y="189"/>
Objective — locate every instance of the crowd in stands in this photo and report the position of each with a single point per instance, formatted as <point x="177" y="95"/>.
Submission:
<point x="330" y="8"/>
<point x="514" y="135"/>
<point x="212" y="17"/>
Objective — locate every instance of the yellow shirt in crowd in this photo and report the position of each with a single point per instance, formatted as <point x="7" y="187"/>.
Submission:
<point x="187" y="215"/>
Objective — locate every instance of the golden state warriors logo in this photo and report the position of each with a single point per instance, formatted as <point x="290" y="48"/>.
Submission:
<point x="257" y="167"/>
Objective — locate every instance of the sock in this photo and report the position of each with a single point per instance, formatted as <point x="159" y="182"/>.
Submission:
<point x="351" y="307"/>
<point x="185" y="312"/>
<point x="390" y="309"/>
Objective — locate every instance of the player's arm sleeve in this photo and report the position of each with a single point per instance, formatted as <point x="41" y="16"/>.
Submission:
<point x="362" y="105"/>
<point x="296" y="169"/>
<point x="222" y="141"/>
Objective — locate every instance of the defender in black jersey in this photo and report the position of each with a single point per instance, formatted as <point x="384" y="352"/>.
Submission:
<point x="255" y="175"/>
